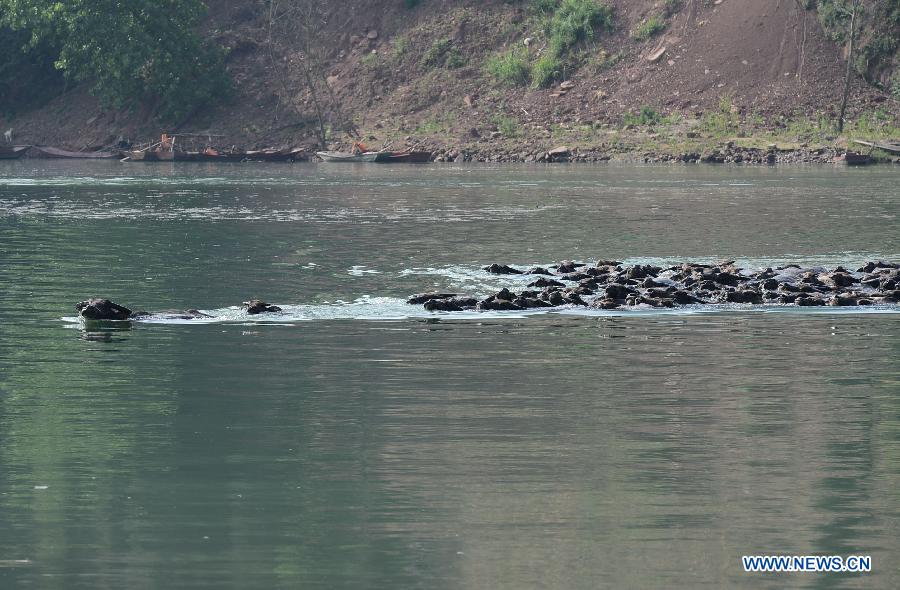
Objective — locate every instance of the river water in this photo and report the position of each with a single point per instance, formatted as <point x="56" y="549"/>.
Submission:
<point x="357" y="442"/>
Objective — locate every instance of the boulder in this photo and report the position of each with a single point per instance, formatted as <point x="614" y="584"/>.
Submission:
<point x="657" y="54"/>
<point x="559" y="154"/>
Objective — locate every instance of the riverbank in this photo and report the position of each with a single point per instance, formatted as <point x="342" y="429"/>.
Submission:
<point x="719" y="137"/>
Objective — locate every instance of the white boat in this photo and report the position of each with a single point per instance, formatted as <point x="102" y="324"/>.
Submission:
<point x="347" y="157"/>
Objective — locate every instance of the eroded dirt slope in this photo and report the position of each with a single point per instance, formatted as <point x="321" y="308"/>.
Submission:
<point x="767" y="58"/>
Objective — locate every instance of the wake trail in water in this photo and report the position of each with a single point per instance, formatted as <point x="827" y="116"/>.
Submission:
<point x="474" y="280"/>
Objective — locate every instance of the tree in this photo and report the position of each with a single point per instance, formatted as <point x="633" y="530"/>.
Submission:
<point x="854" y="13"/>
<point x="298" y="33"/>
<point x="27" y="75"/>
<point x="132" y="51"/>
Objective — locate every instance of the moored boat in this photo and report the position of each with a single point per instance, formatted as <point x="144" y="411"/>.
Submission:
<point x="11" y="152"/>
<point x="406" y="157"/>
<point x="853" y="159"/>
<point x="285" y="155"/>
<point x="52" y="152"/>
<point x="347" y="157"/>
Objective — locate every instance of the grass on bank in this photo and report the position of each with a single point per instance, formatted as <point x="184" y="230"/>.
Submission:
<point x="565" y="25"/>
<point x="648" y="28"/>
<point x="510" y="68"/>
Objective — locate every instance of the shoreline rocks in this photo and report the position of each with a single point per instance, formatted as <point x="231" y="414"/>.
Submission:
<point x="727" y="153"/>
<point x="612" y="285"/>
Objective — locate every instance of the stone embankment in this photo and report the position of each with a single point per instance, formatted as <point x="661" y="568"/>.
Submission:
<point x="728" y="153"/>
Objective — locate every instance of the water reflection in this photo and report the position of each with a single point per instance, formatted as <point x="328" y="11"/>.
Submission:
<point x="553" y="451"/>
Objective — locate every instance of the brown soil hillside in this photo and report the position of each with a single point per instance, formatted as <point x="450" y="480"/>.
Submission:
<point x="763" y="59"/>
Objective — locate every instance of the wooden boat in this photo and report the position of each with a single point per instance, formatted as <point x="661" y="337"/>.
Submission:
<point x="11" y="152"/>
<point x="286" y="155"/>
<point x="347" y="157"/>
<point x="52" y="152"/>
<point x="213" y="155"/>
<point x="888" y="146"/>
<point x="159" y="156"/>
<point x="853" y="159"/>
<point x="406" y="157"/>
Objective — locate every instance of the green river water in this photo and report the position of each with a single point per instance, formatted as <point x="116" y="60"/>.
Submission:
<point x="357" y="442"/>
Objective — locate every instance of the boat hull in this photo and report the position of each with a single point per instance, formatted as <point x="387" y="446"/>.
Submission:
<point x="12" y="152"/>
<point x="57" y="153"/>
<point x="347" y="158"/>
<point x="403" y="157"/>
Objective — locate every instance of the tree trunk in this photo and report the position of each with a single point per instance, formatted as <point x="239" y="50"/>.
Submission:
<point x="849" y="66"/>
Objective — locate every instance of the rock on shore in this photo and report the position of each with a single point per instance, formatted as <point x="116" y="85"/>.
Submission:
<point x="612" y="285"/>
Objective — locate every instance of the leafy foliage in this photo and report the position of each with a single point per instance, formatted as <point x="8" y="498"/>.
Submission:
<point x="131" y="51"/>
<point x="878" y="31"/>
<point x="27" y="75"/>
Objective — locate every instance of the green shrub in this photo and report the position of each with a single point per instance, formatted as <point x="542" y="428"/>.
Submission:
<point x="650" y="27"/>
<point x="409" y="4"/>
<point x="544" y="6"/>
<point x="442" y="53"/>
<point x="723" y="120"/>
<point x="508" y="126"/>
<point x="455" y="58"/>
<point x="576" y="20"/>
<point x="510" y="68"/>
<point x="369" y="60"/>
<point x="401" y="46"/>
<point x="546" y="70"/>
<point x="646" y="116"/>
<point x="436" y="54"/>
